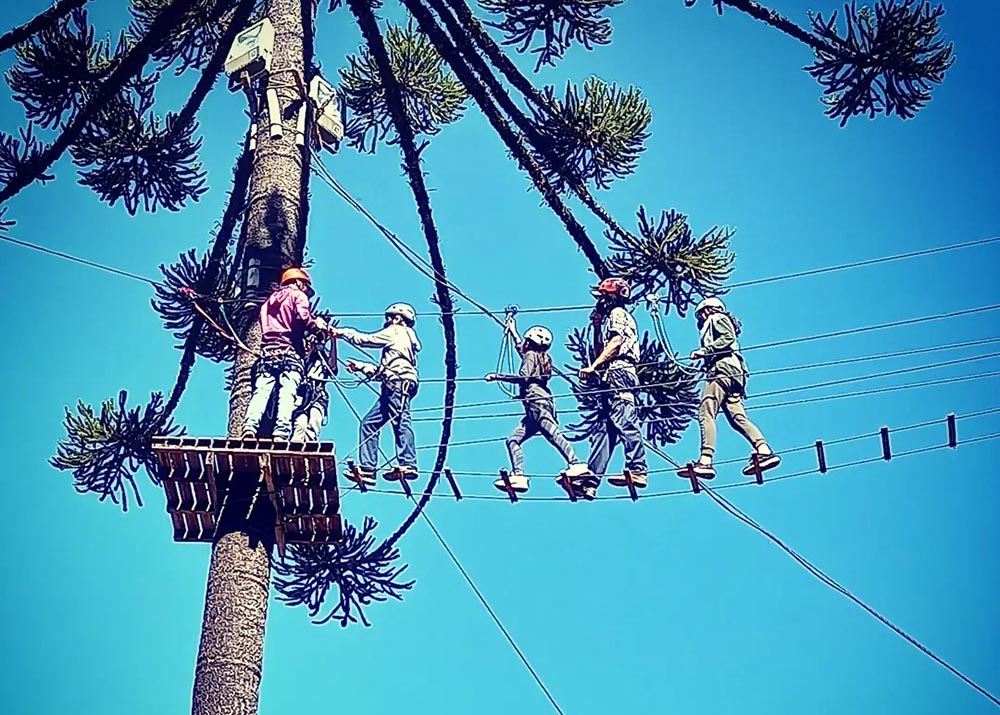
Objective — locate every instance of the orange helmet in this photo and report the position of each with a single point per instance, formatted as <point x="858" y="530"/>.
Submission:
<point x="613" y="286"/>
<point x="294" y="274"/>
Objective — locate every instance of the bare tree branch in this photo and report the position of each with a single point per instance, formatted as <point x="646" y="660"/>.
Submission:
<point x="38" y="23"/>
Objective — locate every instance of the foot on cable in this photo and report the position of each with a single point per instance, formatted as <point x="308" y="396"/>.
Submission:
<point x="361" y="475"/>
<point x="702" y="469"/>
<point x="639" y="480"/>
<point x="577" y="470"/>
<point x="248" y="435"/>
<point x="763" y="459"/>
<point x="407" y="472"/>
<point x="518" y="483"/>
<point x="573" y="486"/>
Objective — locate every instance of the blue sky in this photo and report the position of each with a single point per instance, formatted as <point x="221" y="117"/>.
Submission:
<point x="666" y="605"/>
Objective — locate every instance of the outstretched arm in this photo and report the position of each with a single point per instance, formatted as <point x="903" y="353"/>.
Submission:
<point x="380" y="339"/>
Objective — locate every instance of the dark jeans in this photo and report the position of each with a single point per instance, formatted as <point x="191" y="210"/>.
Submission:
<point x="393" y="405"/>
<point x="621" y="426"/>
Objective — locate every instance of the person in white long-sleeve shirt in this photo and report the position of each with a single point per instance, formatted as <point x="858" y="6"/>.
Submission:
<point x="397" y="371"/>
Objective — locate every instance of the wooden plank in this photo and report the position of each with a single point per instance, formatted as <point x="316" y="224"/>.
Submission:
<point x="511" y="494"/>
<point x="454" y="485"/>
<point x="821" y="456"/>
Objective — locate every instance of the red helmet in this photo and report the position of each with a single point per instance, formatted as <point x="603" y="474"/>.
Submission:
<point x="613" y="286"/>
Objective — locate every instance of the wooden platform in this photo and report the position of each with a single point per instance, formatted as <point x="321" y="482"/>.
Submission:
<point x="203" y="477"/>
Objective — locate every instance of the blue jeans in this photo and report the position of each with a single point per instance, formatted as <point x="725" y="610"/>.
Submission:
<point x="620" y="426"/>
<point x="287" y="381"/>
<point x="393" y="405"/>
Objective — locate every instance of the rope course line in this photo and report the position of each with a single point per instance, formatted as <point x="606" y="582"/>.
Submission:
<point x="489" y="609"/>
<point x="759" y="281"/>
<point x="736" y="512"/>
<point x="820" y="398"/>
<point x="670" y="383"/>
<point x="745" y="482"/>
<point x="783" y="451"/>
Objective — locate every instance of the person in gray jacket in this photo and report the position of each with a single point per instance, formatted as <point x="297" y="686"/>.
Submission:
<point x="397" y="371"/>
<point x="726" y="378"/>
<point x="540" y="416"/>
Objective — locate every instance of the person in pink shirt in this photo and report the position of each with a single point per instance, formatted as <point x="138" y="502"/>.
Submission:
<point x="285" y="318"/>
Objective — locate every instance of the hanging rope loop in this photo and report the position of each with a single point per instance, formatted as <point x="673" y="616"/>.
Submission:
<point x="653" y="306"/>
<point x="506" y="364"/>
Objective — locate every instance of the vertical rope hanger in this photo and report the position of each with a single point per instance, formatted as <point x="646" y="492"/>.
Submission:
<point x="505" y="360"/>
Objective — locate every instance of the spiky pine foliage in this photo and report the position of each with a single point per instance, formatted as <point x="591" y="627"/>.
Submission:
<point x="6" y="224"/>
<point x="57" y="67"/>
<point x="129" y="154"/>
<point x="560" y="22"/>
<point x="17" y="154"/>
<point x="884" y="62"/>
<point x="667" y="397"/>
<point x="361" y="573"/>
<point x="125" y="152"/>
<point x="432" y="95"/>
<point x="105" y="449"/>
<point x="177" y="311"/>
<point x="667" y="255"/>
<point x="594" y="135"/>
<point x="194" y="37"/>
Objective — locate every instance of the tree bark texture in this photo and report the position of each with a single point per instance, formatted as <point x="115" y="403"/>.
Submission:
<point x="230" y="656"/>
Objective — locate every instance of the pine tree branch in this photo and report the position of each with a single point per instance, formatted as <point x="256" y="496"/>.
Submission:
<point x="466" y="26"/>
<point x="215" y="65"/>
<point x="230" y="219"/>
<point x="38" y="23"/>
<point x="775" y="20"/>
<point x="473" y="84"/>
<point x="411" y="161"/>
<point x="129" y="66"/>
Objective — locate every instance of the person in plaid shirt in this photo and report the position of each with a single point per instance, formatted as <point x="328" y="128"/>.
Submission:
<point x="616" y="345"/>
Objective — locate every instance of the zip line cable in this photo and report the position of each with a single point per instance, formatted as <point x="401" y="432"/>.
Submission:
<point x="827" y="580"/>
<point x="811" y="446"/>
<point x="867" y="262"/>
<point x="812" y="386"/>
<point x="489" y="610"/>
<point x="82" y="261"/>
<point x="820" y="398"/>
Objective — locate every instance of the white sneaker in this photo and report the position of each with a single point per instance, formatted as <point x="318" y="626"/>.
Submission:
<point x="518" y="483"/>
<point x="574" y="471"/>
<point x="764" y="462"/>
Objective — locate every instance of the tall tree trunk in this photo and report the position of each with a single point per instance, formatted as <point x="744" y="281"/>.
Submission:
<point x="230" y="656"/>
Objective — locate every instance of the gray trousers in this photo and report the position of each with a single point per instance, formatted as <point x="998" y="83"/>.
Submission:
<point x="725" y="393"/>
<point x="539" y="418"/>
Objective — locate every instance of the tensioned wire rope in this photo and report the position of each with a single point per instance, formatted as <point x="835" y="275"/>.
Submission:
<point x="792" y="368"/>
<point x="791" y="450"/>
<point x="799" y="388"/>
<point x="748" y="482"/>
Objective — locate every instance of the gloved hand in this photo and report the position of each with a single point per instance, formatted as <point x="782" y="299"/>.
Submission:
<point x="698" y="354"/>
<point x="491" y="377"/>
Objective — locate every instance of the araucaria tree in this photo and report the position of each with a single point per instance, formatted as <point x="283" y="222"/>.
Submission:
<point x="96" y="99"/>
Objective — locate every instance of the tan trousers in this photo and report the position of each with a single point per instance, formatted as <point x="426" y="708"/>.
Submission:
<point x="724" y="392"/>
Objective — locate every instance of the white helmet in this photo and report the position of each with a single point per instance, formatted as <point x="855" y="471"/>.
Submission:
<point x="540" y="336"/>
<point x="709" y="303"/>
<point x="404" y="311"/>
